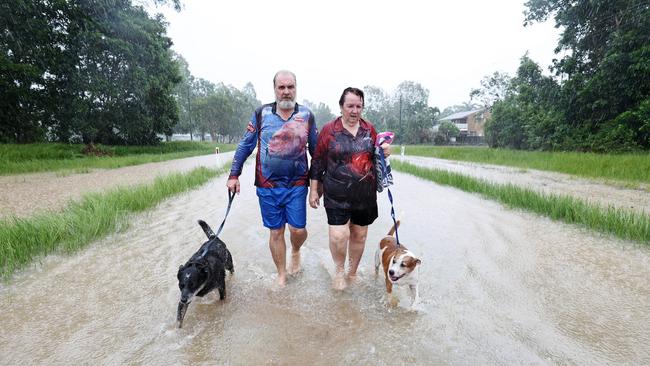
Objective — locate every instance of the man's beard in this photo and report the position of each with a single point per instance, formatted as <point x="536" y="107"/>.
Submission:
<point x="286" y="104"/>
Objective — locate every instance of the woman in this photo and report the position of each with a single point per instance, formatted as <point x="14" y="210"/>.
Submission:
<point x="343" y="162"/>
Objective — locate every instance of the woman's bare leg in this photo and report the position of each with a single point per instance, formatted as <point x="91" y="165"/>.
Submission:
<point x="357" y="244"/>
<point x="339" y="236"/>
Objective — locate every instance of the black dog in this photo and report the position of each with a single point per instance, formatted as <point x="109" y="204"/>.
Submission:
<point x="204" y="272"/>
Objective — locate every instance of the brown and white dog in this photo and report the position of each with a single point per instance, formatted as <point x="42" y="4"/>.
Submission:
<point x="400" y="266"/>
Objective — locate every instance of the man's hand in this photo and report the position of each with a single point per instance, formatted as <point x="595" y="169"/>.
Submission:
<point x="233" y="185"/>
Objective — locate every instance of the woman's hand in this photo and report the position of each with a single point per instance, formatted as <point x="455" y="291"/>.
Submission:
<point x="314" y="198"/>
<point x="386" y="148"/>
<point x="315" y="191"/>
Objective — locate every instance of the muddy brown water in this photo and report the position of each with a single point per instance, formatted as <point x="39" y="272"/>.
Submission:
<point x="498" y="287"/>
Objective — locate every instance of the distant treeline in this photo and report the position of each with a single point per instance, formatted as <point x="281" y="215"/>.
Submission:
<point x="599" y="96"/>
<point x="103" y="72"/>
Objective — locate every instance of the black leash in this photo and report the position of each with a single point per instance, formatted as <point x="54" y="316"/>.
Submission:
<point x="390" y="195"/>
<point x="231" y="197"/>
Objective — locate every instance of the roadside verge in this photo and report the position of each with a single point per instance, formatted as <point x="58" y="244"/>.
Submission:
<point x="625" y="224"/>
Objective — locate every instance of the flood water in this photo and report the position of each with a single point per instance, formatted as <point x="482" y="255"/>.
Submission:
<point x="497" y="287"/>
<point x="614" y="194"/>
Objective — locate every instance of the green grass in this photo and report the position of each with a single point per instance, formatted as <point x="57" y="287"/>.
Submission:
<point x="618" y="222"/>
<point x="632" y="168"/>
<point x="94" y="216"/>
<point x="68" y="158"/>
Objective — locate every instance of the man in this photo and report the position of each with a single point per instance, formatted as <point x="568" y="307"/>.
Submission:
<point x="282" y="131"/>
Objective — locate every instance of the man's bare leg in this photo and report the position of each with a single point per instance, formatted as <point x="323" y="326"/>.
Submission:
<point x="339" y="235"/>
<point x="279" y="253"/>
<point x="357" y="245"/>
<point x="297" y="237"/>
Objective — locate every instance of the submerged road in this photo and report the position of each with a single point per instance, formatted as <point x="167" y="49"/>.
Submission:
<point x="498" y="287"/>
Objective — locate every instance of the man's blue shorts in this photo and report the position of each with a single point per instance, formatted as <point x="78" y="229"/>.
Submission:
<point x="283" y="205"/>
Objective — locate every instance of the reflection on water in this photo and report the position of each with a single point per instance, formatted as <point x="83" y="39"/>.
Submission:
<point x="497" y="287"/>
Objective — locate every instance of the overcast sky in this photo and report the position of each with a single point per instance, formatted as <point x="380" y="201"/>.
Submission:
<point x="446" y="47"/>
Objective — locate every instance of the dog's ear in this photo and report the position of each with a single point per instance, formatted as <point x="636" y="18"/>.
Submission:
<point x="180" y="269"/>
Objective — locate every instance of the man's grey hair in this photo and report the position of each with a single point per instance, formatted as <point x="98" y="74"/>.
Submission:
<point x="284" y="72"/>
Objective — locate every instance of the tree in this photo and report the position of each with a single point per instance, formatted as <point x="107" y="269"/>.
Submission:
<point x="125" y="76"/>
<point x="29" y="34"/>
<point x="448" y="130"/>
<point x="415" y="118"/>
<point x="506" y="127"/>
<point x="244" y="104"/>
<point x="466" y="106"/>
<point x="322" y="112"/>
<point x="418" y="128"/>
<point x="237" y="109"/>
<point x="182" y="95"/>
<point x="405" y="112"/>
<point x="528" y="117"/>
<point x="412" y="93"/>
<point x="85" y="70"/>
<point x="493" y="88"/>
<point x="605" y="66"/>
<point x="378" y="108"/>
<point x="249" y="92"/>
<point x="221" y="110"/>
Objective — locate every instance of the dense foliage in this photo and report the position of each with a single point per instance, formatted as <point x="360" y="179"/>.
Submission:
<point x="91" y="71"/>
<point x="599" y="98"/>
<point x="103" y="72"/>
<point x="222" y="111"/>
<point x="322" y="112"/>
<point x="405" y="111"/>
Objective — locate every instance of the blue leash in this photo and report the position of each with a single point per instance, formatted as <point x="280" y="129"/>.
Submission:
<point x="390" y="195"/>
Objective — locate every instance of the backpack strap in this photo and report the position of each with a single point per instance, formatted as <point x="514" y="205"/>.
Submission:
<point x="258" y="121"/>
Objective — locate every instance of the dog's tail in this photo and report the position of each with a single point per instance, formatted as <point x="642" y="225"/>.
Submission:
<point x="207" y="230"/>
<point x="392" y="229"/>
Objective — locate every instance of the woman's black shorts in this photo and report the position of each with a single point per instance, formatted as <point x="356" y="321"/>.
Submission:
<point x="339" y="216"/>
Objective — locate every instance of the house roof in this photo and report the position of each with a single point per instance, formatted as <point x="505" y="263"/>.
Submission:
<point x="459" y="115"/>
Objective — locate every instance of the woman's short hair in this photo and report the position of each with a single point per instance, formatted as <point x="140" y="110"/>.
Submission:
<point x="356" y="91"/>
